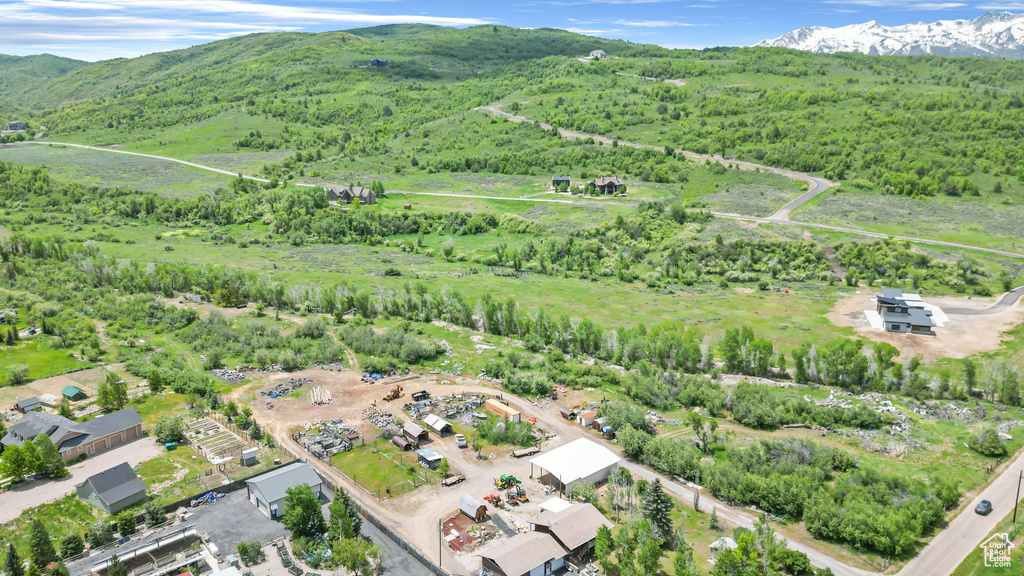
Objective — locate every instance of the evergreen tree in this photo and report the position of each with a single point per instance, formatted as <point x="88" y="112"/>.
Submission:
<point x="10" y="337"/>
<point x="12" y="562"/>
<point x="100" y="533"/>
<point x="33" y="570"/>
<point x="71" y="545"/>
<point x="60" y="570"/>
<point x="345" y="521"/>
<point x="40" y="547"/>
<point x="64" y="409"/>
<point x="153" y="513"/>
<point x="53" y="464"/>
<point x="657" y="508"/>
<point x="116" y="567"/>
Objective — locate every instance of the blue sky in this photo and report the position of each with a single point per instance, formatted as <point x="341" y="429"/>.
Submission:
<point x="100" y="29"/>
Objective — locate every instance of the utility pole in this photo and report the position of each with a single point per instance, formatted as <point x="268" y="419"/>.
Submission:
<point x="440" y="539"/>
<point x="1016" y="498"/>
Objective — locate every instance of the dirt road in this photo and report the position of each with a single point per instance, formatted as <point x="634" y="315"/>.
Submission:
<point x="1005" y="303"/>
<point x="31" y="494"/>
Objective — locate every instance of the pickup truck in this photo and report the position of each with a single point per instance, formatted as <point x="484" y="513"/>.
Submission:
<point x="453" y="480"/>
<point x="460" y="440"/>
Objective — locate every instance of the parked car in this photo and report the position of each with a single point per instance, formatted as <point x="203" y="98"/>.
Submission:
<point x="460" y="439"/>
<point x="983" y="508"/>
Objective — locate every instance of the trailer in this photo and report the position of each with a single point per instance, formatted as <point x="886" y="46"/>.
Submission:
<point x="501" y="410"/>
<point x="453" y="480"/>
<point x="525" y="452"/>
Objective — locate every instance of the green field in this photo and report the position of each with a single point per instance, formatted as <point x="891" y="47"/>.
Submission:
<point x="376" y="473"/>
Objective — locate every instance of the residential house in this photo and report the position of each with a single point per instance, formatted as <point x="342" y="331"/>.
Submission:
<point x="113" y="489"/>
<point x="606" y="185"/>
<point x="8" y="316"/>
<point x="268" y="491"/>
<point x="901" y="314"/>
<point x="16" y="126"/>
<point x="557" y="538"/>
<point x="379" y="63"/>
<point x="558" y="181"/>
<point x="74" y="439"/>
<point x="598" y="54"/>
<point x="346" y="194"/>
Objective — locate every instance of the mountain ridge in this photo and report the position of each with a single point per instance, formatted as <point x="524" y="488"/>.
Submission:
<point x="993" y="34"/>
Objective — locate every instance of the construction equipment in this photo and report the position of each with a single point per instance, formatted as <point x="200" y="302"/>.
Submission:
<point x="506" y="481"/>
<point x="494" y="500"/>
<point x="512" y="497"/>
<point x="421" y="395"/>
<point x="521" y="493"/>
<point x="394" y="394"/>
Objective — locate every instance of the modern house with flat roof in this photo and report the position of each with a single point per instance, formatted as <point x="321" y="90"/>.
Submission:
<point x="268" y="491"/>
<point x="900" y="314"/>
<point x="72" y="438"/>
<point x="113" y="489"/>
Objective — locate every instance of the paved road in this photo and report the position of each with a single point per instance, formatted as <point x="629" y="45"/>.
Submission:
<point x="31" y="494"/>
<point x="965" y="532"/>
<point x="1005" y="303"/>
<point x="817" y="186"/>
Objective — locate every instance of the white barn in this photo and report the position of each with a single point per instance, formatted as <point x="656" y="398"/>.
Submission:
<point x="267" y="491"/>
<point x="578" y="461"/>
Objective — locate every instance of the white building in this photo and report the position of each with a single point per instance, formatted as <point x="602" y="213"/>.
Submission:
<point x="577" y="461"/>
<point x="598" y="54"/>
<point x="268" y="491"/>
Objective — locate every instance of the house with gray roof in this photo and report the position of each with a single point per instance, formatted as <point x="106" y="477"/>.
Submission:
<point x="268" y="491"/>
<point x="606" y="185"/>
<point x="113" y="489"/>
<point x="899" y="314"/>
<point x="29" y="404"/>
<point x="74" y="439"/>
<point x="346" y="194"/>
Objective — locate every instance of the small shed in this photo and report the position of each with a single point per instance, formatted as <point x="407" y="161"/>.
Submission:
<point x="428" y="457"/>
<point x="29" y="404"/>
<point x="268" y="491"/>
<point x="415" y="433"/>
<point x="500" y="410"/>
<point x="249" y="457"/>
<point x="586" y="418"/>
<point x="438" y="424"/>
<point x="473" y="508"/>
<point x="599" y="423"/>
<point x="73" y="393"/>
<point x="402" y="443"/>
<point x="723" y="543"/>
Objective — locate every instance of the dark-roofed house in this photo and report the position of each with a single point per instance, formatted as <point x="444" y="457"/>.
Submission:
<point x="345" y="194"/>
<point x="558" y="181"/>
<point x="557" y="537"/>
<point x="29" y="404"/>
<point x="607" y="185"/>
<point x="379" y="63"/>
<point x="17" y="126"/>
<point x="902" y="315"/>
<point x="74" y="439"/>
<point x="114" y="489"/>
<point x="73" y="393"/>
<point x="267" y="491"/>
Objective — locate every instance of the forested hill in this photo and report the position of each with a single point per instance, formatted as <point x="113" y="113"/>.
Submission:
<point x="414" y="50"/>
<point x="23" y="74"/>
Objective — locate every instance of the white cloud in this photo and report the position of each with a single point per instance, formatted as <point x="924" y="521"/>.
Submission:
<point x="900" y="4"/>
<point x="133" y="27"/>
<point x="655" y="23"/>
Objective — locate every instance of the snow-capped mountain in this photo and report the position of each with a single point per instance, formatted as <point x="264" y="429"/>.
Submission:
<point x="999" y="34"/>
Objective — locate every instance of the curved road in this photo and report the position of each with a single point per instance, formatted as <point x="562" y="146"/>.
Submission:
<point x="1004" y="303"/>
<point x="817" y="186"/>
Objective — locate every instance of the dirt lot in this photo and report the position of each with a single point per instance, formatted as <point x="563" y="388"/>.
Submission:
<point x="414" y="514"/>
<point x="87" y="380"/>
<point x="961" y="337"/>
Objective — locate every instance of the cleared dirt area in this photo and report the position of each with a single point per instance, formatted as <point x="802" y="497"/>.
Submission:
<point x="962" y="336"/>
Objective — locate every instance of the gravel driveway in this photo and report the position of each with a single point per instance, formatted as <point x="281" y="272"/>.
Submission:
<point x="35" y="492"/>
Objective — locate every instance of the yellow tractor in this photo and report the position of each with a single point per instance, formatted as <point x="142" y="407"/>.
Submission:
<point x="394" y="394"/>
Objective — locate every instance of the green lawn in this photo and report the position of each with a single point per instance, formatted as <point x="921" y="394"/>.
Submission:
<point x="375" y="472"/>
<point x="42" y="359"/>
